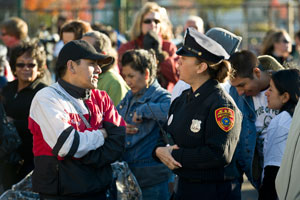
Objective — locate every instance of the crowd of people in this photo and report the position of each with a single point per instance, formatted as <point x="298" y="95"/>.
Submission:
<point x="190" y="118"/>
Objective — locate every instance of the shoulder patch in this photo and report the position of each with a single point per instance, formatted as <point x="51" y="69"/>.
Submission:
<point x="225" y="118"/>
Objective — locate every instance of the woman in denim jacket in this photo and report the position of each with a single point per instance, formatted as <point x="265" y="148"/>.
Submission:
<point x="143" y="107"/>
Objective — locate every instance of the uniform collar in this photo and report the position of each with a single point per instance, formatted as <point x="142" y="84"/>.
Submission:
<point x="204" y="90"/>
<point x="74" y="91"/>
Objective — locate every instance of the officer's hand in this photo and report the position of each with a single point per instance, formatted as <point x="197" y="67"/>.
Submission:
<point x="164" y="154"/>
<point x="131" y="129"/>
<point x="104" y="132"/>
<point x="136" y="118"/>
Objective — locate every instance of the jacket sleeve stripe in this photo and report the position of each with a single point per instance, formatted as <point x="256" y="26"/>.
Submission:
<point x="75" y="145"/>
<point x="61" y="140"/>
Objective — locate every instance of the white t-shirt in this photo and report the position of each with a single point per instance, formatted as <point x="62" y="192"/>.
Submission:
<point x="264" y="115"/>
<point x="275" y="140"/>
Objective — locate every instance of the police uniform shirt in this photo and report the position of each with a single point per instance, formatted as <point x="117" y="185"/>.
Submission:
<point x="205" y="125"/>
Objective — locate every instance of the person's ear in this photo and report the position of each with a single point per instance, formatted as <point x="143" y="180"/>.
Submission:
<point x="285" y="97"/>
<point x="257" y="72"/>
<point x="70" y="66"/>
<point x="202" y="67"/>
<point x="147" y="75"/>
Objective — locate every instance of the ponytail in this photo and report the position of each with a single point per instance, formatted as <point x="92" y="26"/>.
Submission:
<point x="219" y="71"/>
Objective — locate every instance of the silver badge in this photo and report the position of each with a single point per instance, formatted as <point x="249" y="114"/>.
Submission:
<point x="170" y="120"/>
<point x="196" y="125"/>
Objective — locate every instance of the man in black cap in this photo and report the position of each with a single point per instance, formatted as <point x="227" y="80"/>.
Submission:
<point x="77" y="132"/>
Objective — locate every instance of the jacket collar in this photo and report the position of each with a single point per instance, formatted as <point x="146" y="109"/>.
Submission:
<point x="74" y="91"/>
<point x="31" y="86"/>
<point x="148" y="93"/>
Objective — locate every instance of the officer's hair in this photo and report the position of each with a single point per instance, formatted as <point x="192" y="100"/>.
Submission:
<point x="140" y="60"/>
<point x="288" y="81"/>
<point x="219" y="71"/>
<point x="243" y="62"/>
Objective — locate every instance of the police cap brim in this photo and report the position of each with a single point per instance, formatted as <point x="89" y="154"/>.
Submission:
<point x="182" y="51"/>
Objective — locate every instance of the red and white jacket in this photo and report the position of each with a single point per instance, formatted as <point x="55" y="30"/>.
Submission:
<point x="60" y="139"/>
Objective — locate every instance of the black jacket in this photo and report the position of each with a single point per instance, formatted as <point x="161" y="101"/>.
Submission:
<point x="205" y="125"/>
<point x="17" y="105"/>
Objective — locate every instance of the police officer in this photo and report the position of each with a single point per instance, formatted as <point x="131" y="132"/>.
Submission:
<point x="204" y="123"/>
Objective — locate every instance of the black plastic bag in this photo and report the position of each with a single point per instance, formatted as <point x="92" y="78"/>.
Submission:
<point x="9" y="139"/>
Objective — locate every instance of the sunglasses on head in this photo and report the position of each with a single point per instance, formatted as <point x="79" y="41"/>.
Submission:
<point x="149" y="21"/>
<point x="22" y="65"/>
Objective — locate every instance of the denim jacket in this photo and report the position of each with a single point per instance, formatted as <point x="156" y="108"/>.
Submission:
<point x="246" y="146"/>
<point x="139" y="146"/>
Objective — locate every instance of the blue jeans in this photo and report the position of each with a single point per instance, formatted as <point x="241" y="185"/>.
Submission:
<point x="158" y="192"/>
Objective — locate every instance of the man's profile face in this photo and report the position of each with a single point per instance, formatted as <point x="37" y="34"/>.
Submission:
<point x="247" y="86"/>
<point x="86" y="73"/>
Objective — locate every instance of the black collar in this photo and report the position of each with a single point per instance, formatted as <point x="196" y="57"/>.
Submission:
<point x="74" y="91"/>
<point x="31" y="86"/>
<point x="203" y="91"/>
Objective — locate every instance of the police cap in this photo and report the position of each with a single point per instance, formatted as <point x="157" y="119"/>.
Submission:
<point x="196" y="44"/>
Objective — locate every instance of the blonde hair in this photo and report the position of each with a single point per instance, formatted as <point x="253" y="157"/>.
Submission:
<point x="136" y="29"/>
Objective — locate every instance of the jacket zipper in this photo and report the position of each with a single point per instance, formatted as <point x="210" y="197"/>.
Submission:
<point x="58" y="179"/>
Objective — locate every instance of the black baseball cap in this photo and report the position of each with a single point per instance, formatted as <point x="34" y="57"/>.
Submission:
<point x="80" y="49"/>
<point x="197" y="44"/>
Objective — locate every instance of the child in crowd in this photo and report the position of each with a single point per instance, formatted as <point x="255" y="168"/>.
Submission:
<point x="282" y="95"/>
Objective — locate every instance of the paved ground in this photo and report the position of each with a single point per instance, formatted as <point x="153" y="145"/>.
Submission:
<point x="248" y="191"/>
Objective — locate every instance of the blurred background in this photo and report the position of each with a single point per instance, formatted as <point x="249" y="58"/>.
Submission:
<point x="248" y="18"/>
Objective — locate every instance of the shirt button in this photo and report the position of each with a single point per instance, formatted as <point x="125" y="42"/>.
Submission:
<point x="128" y="143"/>
<point x="120" y="106"/>
<point x="130" y="114"/>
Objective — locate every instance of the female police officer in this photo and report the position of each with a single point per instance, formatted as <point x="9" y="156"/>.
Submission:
<point x="204" y="123"/>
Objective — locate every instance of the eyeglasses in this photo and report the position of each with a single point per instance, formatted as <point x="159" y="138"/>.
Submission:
<point x="22" y="65"/>
<point x="149" y="21"/>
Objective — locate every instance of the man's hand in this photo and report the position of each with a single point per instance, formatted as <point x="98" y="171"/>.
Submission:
<point x="164" y="154"/>
<point x="104" y="132"/>
<point x="131" y="129"/>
